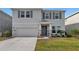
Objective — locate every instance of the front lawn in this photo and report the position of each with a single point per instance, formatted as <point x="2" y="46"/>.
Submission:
<point x="58" y="44"/>
<point x="2" y="38"/>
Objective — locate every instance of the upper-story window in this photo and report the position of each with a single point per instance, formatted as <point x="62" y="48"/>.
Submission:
<point x="28" y="14"/>
<point x="24" y="14"/>
<point x="46" y="15"/>
<point x="57" y="15"/>
<point x="60" y="13"/>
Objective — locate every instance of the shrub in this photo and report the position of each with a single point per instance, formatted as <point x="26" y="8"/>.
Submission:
<point x="73" y="32"/>
<point x="69" y="35"/>
<point x="7" y="34"/>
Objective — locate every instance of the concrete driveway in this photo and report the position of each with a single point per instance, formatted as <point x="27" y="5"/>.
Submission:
<point x="18" y="44"/>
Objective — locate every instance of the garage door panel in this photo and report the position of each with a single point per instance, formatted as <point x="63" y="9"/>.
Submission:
<point x="27" y="32"/>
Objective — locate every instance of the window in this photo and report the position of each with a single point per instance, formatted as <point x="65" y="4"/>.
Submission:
<point x="60" y="15"/>
<point x="57" y="15"/>
<point x="53" y="29"/>
<point x="58" y="27"/>
<point x="43" y="15"/>
<point x="22" y="14"/>
<point x="46" y="15"/>
<point x="28" y="14"/>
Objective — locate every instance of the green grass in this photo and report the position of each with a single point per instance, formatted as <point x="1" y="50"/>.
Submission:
<point x="2" y="38"/>
<point x="58" y="44"/>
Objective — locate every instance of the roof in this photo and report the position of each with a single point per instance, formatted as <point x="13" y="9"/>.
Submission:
<point x="53" y="10"/>
<point x="72" y="15"/>
<point x="38" y="9"/>
<point x="27" y="8"/>
<point x="5" y="14"/>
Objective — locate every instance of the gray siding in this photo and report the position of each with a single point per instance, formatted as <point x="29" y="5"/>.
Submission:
<point x="26" y="26"/>
<point x="72" y="22"/>
<point x="5" y="22"/>
<point x="32" y="26"/>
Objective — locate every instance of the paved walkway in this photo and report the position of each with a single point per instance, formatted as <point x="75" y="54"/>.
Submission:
<point x="18" y="44"/>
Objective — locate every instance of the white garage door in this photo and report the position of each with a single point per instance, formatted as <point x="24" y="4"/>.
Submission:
<point x="27" y="32"/>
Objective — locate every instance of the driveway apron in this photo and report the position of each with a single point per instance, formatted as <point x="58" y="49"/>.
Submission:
<point x="19" y="44"/>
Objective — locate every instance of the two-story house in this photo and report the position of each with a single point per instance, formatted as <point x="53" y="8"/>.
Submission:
<point x="37" y="22"/>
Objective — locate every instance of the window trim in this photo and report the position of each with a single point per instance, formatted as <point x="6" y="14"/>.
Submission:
<point x="30" y="14"/>
<point x="57" y="15"/>
<point x="19" y="14"/>
<point x="60" y="13"/>
<point x="46" y="15"/>
<point x="53" y="29"/>
<point x="22" y="14"/>
<point x="27" y="14"/>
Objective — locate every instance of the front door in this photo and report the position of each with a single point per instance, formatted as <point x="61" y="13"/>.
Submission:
<point x="44" y="30"/>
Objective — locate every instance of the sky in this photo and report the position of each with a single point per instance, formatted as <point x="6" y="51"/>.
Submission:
<point x="68" y="11"/>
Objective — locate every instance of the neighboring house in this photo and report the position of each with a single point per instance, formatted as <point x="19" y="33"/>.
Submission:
<point x="72" y="22"/>
<point x="37" y="22"/>
<point x="5" y="22"/>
